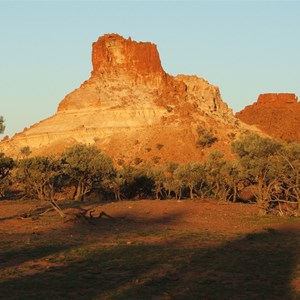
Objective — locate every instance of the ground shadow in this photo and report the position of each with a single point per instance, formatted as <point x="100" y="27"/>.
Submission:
<point x="21" y="250"/>
<point x="256" y="266"/>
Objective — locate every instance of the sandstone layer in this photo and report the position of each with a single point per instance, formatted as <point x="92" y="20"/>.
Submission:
<point x="278" y="115"/>
<point x="133" y="110"/>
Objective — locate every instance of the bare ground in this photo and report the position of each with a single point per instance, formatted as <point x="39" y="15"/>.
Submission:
<point x="149" y="250"/>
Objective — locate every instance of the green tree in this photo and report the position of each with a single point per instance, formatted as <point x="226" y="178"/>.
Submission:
<point x="159" y="177"/>
<point x="260" y="161"/>
<point x="223" y="176"/>
<point x="290" y="175"/>
<point x="87" y="167"/>
<point x="25" y="151"/>
<point x="6" y="165"/>
<point x="190" y="175"/>
<point x="41" y="177"/>
<point x="2" y="126"/>
<point x="231" y="175"/>
<point x="175" y="185"/>
<point x="138" y="182"/>
<point x="170" y="185"/>
<point x="216" y="171"/>
<point x="116" y="183"/>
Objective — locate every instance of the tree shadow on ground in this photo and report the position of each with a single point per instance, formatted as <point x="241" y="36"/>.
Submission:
<point x="256" y="266"/>
<point x="26" y="252"/>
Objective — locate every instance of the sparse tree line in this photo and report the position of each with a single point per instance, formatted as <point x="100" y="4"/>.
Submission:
<point x="271" y="169"/>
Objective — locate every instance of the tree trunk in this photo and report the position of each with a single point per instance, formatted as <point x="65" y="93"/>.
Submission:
<point x="191" y="192"/>
<point x="260" y="198"/>
<point x="234" y="193"/>
<point x="169" y="193"/>
<point x="180" y="193"/>
<point x="156" y="194"/>
<point x="117" y="194"/>
<point x="57" y="208"/>
<point x="78" y="193"/>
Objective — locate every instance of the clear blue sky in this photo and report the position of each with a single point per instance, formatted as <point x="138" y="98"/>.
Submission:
<point x="244" y="47"/>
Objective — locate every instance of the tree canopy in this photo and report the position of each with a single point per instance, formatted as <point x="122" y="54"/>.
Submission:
<point x="6" y="165"/>
<point x="86" y="166"/>
<point x="259" y="159"/>
<point x="268" y="169"/>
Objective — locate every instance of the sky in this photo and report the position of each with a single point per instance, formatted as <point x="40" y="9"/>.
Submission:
<point x="246" y="48"/>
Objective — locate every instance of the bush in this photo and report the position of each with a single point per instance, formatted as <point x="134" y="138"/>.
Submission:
<point x="156" y="159"/>
<point x="137" y="161"/>
<point x="205" y="138"/>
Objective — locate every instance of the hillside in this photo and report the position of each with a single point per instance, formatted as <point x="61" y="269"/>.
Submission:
<point x="278" y="115"/>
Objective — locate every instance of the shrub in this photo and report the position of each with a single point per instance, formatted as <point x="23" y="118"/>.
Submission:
<point x="137" y="161"/>
<point x="156" y="159"/>
<point x="205" y="138"/>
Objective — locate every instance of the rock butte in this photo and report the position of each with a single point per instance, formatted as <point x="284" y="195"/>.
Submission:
<point x="278" y="115"/>
<point x="131" y="108"/>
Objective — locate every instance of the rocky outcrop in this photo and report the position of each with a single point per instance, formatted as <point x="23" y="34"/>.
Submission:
<point x="129" y="106"/>
<point x="112" y="54"/>
<point x="278" y="115"/>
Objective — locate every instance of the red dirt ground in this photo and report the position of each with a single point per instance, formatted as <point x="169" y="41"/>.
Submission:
<point x="188" y="215"/>
<point x="187" y="224"/>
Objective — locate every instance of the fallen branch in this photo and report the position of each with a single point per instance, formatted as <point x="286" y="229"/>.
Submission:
<point x="103" y="214"/>
<point x="45" y="211"/>
<point x="87" y="215"/>
<point x="34" y="213"/>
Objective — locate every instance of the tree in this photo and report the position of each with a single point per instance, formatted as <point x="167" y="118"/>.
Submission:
<point x="159" y="177"/>
<point x="231" y="176"/>
<point x="260" y="161"/>
<point x="222" y="177"/>
<point x="2" y="126"/>
<point x="116" y="182"/>
<point x="213" y="167"/>
<point x="190" y="175"/>
<point x="290" y="175"/>
<point x="175" y="185"/>
<point x="87" y="167"/>
<point x="170" y="185"/>
<point x="41" y="177"/>
<point x="138" y="182"/>
<point x="6" y="165"/>
<point x="25" y="151"/>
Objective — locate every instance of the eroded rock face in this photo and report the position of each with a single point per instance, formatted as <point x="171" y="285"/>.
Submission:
<point x="276" y="114"/>
<point x="113" y="54"/>
<point x="128" y="106"/>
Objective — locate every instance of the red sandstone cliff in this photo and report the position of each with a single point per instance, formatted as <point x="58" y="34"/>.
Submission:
<point x="278" y="115"/>
<point x="113" y="54"/>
